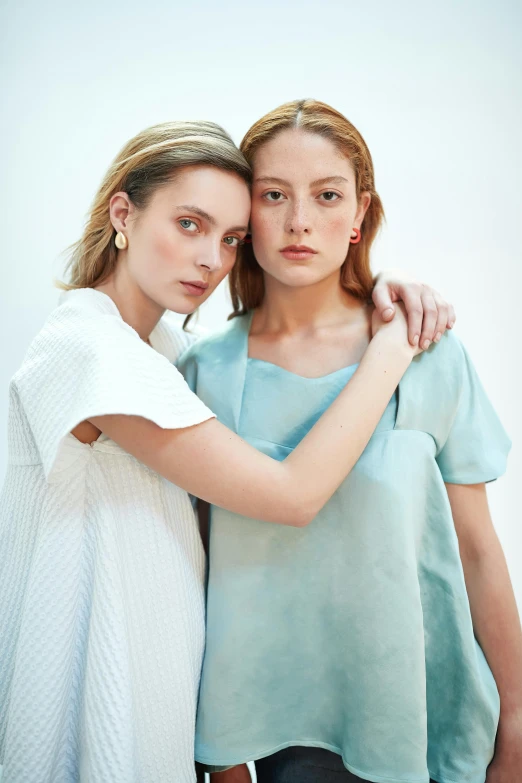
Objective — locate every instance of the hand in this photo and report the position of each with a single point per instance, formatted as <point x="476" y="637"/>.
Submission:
<point x="239" y="774"/>
<point x="395" y="330"/>
<point x="429" y="315"/>
<point x="506" y="766"/>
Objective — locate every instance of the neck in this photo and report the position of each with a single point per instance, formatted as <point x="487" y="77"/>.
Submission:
<point x="135" y="307"/>
<point x="287" y="310"/>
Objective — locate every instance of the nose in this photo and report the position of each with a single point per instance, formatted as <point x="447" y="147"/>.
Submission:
<point x="298" y="218"/>
<point x="210" y="258"/>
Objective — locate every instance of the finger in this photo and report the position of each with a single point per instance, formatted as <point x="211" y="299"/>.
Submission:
<point x="411" y="297"/>
<point x="382" y="301"/>
<point x="451" y="316"/>
<point x="442" y="317"/>
<point x="429" y="320"/>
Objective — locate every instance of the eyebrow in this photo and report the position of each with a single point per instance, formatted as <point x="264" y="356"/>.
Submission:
<point x="338" y="180"/>
<point x="206" y="216"/>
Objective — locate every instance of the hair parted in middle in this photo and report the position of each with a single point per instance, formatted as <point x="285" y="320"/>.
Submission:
<point x="246" y="281"/>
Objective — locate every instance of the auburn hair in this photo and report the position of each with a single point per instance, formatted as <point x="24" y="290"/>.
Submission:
<point x="246" y="280"/>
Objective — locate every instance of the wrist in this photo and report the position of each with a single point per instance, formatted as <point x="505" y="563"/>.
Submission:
<point x="394" y="346"/>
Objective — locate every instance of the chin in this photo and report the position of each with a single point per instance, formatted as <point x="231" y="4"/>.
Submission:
<point x="300" y="278"/>
<point x="183" y="307"/>
<point x="176" y="304"/>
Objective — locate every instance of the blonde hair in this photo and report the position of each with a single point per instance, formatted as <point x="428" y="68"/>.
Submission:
<point x="246" y="281"/>
<point x="147" y="162"/>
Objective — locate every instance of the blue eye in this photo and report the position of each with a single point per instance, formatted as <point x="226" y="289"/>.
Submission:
<point x="233" y="243"/>
<point x="186" y="223"/>
<point x="277" y="195"/>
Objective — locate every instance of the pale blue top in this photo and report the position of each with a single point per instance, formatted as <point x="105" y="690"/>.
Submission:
<point x="353" y="634"/>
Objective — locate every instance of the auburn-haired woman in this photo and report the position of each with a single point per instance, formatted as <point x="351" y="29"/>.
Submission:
<point x="374" y="643"/>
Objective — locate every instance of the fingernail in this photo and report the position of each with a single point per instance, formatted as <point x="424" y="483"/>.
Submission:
<point x="452" y="324"/>
<point x="416" y="339"/>
<point x="437" y="337"/>
<point x="388" y="313"/>
<point x="426" y="344"/>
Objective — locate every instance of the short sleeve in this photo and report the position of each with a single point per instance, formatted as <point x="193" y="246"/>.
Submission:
<point x="78" y="368"/>
<point x="476" y="446"/>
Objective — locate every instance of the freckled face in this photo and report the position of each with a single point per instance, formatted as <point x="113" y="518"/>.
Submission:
<point x="185" y="241"/>
<point x="303" y="196"/>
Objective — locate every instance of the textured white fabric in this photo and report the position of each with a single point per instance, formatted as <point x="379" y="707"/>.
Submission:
<point x="102" y="569"/>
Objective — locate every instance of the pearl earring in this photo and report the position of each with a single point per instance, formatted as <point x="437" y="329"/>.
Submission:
<point x="120" y="240"/>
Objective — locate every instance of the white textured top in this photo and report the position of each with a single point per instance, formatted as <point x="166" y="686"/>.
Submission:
<point x="102" y="568"/>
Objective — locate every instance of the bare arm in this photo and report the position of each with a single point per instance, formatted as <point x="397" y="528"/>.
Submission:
<point x="212" y="463"/>
<point x="495" y="619"/>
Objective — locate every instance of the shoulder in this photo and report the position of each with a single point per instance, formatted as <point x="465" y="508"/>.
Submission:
<point x="442" y="365"/>
<point x="84" y="325"/>
<point x="431" y="389"/>
<point x="80" y="310"/>
<point x="450" y="348"/>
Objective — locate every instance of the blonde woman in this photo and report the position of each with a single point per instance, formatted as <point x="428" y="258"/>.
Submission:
<point x="101" y="581"/>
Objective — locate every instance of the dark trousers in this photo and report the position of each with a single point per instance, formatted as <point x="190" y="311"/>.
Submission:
<point x="304" y="765"/>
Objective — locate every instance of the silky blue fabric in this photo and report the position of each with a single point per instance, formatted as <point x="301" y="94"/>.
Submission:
<point x="353" y="634"/>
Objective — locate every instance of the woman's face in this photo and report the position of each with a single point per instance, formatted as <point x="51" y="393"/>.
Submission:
<point x="303" y="197"/>
<point x="184" y="242"/>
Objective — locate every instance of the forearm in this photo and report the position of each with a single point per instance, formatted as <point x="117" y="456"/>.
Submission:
<point x="496" y="623"/>
<point x="216" y="465"/>
<point x="341" y="435"/>
<point x="295" y="490"/>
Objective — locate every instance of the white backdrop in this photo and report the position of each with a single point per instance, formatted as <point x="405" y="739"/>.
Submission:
<point x="434" y="87"/>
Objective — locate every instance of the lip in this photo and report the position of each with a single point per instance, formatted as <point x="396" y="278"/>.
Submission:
<point x="298" y="252"/>
<point x="195" y="287"/>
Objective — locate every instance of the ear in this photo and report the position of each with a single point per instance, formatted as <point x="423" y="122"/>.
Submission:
<point x="363" y="204"/>
<point x="120" y="209"/>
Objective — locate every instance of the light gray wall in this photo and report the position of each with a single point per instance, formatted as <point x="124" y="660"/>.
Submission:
<point x="434" y="87"/>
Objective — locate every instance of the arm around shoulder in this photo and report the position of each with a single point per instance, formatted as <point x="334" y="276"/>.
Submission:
<point x="210" y="461"/>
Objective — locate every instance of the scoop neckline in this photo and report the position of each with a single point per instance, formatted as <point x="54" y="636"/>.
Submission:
<point x="304" y="377"/>
<point x="250" y="316"/>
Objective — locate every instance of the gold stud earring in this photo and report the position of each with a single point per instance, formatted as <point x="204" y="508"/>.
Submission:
<point x="120" y="240"/>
